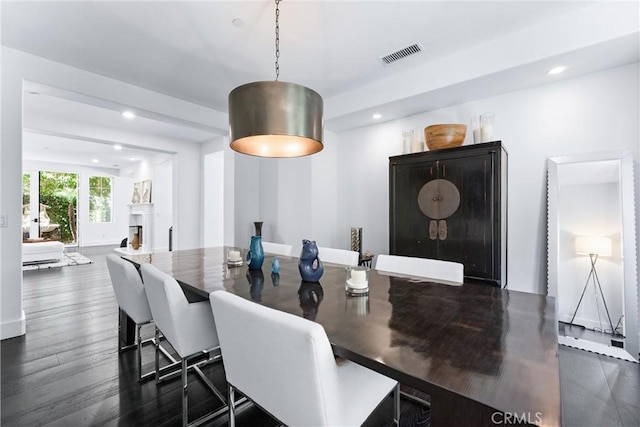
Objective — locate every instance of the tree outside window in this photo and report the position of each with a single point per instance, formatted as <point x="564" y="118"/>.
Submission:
<point x="100" y="201"/>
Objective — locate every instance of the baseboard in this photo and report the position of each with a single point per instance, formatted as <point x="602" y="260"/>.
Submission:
<point x="587" y="323"/>
<point x="14" y="328"/>
<point x="101" y="243"/>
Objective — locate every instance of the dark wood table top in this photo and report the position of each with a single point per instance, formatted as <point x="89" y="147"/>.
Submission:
<point x="481" y="353"/>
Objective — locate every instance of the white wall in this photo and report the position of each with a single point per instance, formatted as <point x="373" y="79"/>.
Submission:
<point x="94" y="234"/>
<point x="324" y="197"/>
<point x="286" y="188"/>
<point x="162" y="197"/>
<point x="246" y="203"/>
<point x="294" y="198"/>
<point x="213" y="200"/>
<point x="225" y="187"/>
<point x="19" y="66"/>
<point x="594" y="112"/>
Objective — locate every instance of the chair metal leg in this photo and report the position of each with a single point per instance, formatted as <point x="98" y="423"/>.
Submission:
<point x="185" y="411"/>
<point x="209" y="384"/>
<point x="157" y="346"/>
<point x="139" y="347"/>
<point x="138" y="344"/>
<point x="120" y="348"/>
<point x="396" y="405"/>
<point x="232" y="407"/>
<point x="183" y="372"/>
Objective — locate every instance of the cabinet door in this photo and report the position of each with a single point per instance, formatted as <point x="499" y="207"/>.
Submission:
<point x="409" y="226"/>
<point x="470" y="229"/>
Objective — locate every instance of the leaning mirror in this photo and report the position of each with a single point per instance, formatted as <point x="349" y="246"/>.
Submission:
<point x="591" y="235"/>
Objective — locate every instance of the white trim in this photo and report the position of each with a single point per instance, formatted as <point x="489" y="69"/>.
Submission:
<point x="107" y="242"/>
<point x="14" y="328"/>
<point x="597" y="347"/>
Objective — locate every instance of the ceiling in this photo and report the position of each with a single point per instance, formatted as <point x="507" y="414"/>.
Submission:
<point x="62" y="129"/>
<point x="194" y="51"/>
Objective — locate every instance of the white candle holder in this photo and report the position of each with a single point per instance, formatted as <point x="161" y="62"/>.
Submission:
<point x="475" y="129"/>
<point x="357" y="280"/>
<point x="234" y="257"/>
<point x="486" y="128"/>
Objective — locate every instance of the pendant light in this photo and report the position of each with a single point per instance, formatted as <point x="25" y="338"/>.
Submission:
<point x="273" y="118"/>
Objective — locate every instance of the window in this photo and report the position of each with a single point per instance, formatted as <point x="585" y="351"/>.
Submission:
<point x="100" y="200"/>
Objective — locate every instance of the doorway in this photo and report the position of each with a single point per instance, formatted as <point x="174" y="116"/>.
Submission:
<point x="50" y="206"/>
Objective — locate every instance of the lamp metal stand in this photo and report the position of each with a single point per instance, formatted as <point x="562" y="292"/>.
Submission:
<point x="594" y="274"/>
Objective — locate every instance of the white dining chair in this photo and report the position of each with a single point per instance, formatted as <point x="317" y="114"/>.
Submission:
<point x="188" y="327"/>
<point x="338" y="256"/>
<point x="438" y="270"/>
<point x="132" y="300"/>
<point x="295" y="378"/>
<point x="277" y="248"/>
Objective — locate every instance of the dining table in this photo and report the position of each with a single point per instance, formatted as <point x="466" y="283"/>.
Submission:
<point x="484" y="355"/>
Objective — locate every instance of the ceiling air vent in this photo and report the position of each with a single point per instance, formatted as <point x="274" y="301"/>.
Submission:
<point x="401" y="53"/>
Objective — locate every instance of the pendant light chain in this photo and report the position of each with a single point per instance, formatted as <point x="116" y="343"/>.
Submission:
<point x="277" y="39"/>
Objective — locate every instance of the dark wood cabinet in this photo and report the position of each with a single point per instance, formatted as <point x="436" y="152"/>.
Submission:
<point x="451" y="204"/>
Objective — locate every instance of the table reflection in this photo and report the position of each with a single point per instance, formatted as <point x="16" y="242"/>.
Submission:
<point x="256" y="284"/>
<point x="275" y="279"/>
<point x="465" y="321"/>
<point x="310" y="295"/>
<point x="357" y="305"/>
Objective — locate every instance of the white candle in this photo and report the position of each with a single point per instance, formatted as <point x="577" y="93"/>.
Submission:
<point x="359" y="278"/>
<point x="234" y="256"/>
<point x="487" y="133"/>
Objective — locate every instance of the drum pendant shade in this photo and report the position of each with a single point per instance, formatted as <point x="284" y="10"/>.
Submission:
<point x="275" y="119"/>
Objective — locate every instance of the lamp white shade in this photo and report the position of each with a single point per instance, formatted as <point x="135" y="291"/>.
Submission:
<point x="587" y="245"/>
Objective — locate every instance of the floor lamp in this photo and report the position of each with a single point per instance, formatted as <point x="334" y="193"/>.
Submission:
<point x="594" y="247"/>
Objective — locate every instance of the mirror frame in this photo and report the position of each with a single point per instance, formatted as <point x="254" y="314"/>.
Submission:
<point x="628" y="212"/>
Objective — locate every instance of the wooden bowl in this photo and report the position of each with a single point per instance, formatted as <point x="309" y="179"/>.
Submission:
<point x="444" y="136"/>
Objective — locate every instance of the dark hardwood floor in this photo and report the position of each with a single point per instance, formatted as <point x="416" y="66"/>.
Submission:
<point x="66" y="370"/>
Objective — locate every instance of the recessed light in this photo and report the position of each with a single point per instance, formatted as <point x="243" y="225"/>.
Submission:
<point x="556" y="70"/>
<point x="117" y="147"/>
<point x="128" y="115"/>
<point x="95" y="160"/>
<point x="376" y="116"/>
<point x="132" y="159"/>
<point x="237" y="22"/>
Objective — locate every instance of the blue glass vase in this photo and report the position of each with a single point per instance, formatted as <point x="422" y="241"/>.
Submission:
<point x="275" y="265"/>
<point x="255" y="256"/>
<point x="309" y="264"/>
